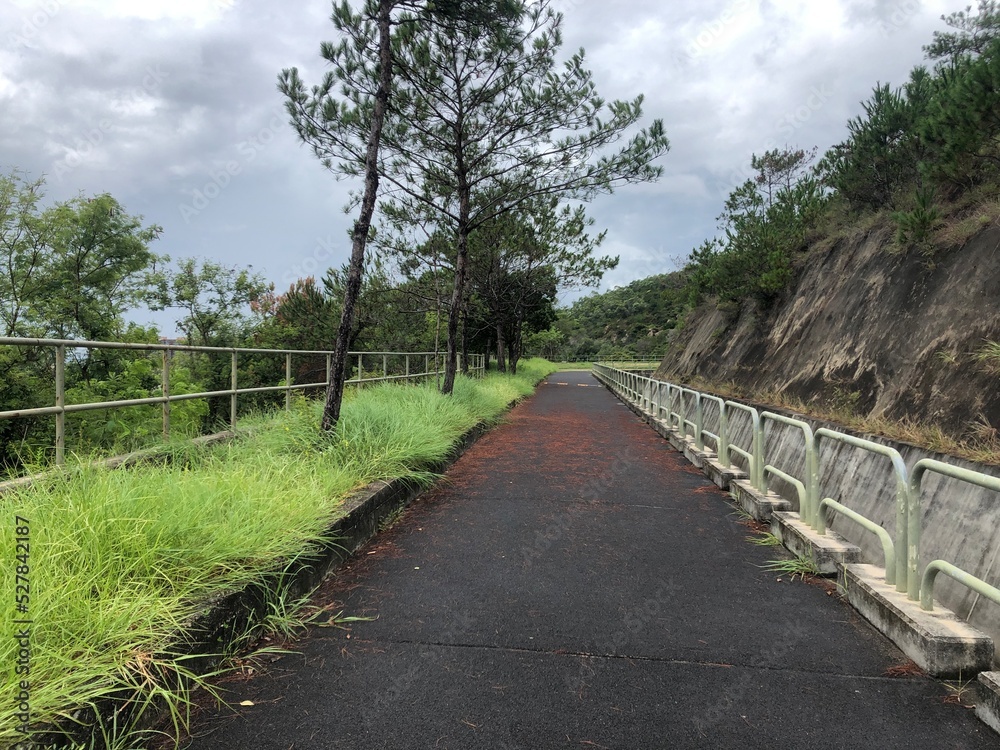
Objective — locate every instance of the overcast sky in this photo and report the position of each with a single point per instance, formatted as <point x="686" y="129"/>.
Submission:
<point x="172" y="107"/>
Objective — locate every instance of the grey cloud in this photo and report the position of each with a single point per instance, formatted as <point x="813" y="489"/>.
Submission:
<point x="217" y="104"/>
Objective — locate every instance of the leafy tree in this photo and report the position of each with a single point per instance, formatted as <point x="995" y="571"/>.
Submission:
<point x="217" y="302"/>
<point x="974" y="32"/>
<point x="220" y="306"/>
<point x="24" y="251"/>
<point x="780" y="170"/>
<point x="305" y="317"/>
<point x="548" y="343"/>
<point x="634" y="319"/>
<point x="481" y="121"/>
<point x="452" y="160"/>
<point x="962" y="126"/>
<point x="521" y="259"/>
<point x="345" y="132"/>
<point x="128" y="429"/>
<point x="764" y="222"/>
<point x="71" y="270"/>
<point x="883" y="150"/>
<point x="345" y="128"/>
<point x="97" y="267"/>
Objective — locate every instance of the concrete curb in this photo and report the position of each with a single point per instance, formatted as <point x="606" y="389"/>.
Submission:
<point x="761" y="507"/>
<point x="205" y="640"/>
<point x="940" y="643"/>
<point x="722" y="477"/>
<point x="988" y="704"/>
<point x="829" y="552"/>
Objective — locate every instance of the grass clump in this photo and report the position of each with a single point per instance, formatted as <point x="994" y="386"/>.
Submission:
<point x="766" y="539"/>
<point x="988" y="356"/>
<point x="121" y="559"/>
<point x="796" y="566"/>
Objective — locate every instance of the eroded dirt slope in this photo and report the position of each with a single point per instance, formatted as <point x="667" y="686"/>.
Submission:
<point x="884" y="334"/>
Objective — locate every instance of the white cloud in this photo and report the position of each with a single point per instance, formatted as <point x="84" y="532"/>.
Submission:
<point x="728" y="77"/>
<point x="197" y="12"/>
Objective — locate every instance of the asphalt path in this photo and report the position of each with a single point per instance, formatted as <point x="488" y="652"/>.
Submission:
<point x="574" y="583"/>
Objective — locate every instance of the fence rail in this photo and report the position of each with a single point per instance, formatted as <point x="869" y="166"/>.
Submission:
<point x="901" y="549"/>
<point x="431" y="362"/>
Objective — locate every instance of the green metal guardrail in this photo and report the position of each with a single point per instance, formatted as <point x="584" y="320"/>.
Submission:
<point x="902" y="570"/>
<point x="807" y="509"/>
<point x="722" y="439"/>
<point x="60" y="409"/>
<point x="899" y="468"/>
<point x="924" y="586"/>
<point x="755" y="456"/>
<point x="888" y="548"/>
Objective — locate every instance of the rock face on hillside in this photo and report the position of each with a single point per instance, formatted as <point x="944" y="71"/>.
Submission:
<point x="885" y="334"/>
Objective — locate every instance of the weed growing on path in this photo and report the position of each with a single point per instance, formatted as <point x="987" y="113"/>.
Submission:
<point x="797" y="566"/>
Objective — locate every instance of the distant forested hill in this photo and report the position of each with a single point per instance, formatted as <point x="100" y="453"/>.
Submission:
<point x="633" y="319"/>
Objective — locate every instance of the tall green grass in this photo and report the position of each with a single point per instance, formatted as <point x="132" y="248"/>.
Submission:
<point x="121" y="559"/>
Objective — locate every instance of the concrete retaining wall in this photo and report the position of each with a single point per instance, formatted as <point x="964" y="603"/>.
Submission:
<point x="961" y="522"/>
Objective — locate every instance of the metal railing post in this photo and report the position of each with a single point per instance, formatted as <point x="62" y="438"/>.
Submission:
<point x="807" y="507"/>
<point x="812" y="481"/>
<point x="61" y="403"/>
<point x="385" y="365"/>
<point x="165" y="389"/>
<point x="723" y="446"/>
<point x="232" y="398"/>
<point x="757" y="472"/>
<point x="699" y="419"/>
<point x="361" y="372"/>
<point x="288" y="381"/>
<point x="902" y="493"/>
<point x="329" y="367"/>
<point x="406" y="367"/>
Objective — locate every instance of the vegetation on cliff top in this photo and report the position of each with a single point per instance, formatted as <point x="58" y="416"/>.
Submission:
<point x="925" y="156"/>
<point x="921" y="159"/>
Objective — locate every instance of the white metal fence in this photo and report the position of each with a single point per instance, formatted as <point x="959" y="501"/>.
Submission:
<point x="387" y="366"/>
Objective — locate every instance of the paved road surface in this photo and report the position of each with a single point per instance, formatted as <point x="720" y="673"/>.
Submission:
<point x="576" y="584"/>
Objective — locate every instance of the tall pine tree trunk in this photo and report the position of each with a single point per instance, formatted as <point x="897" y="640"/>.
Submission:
<point x="465" y="338"/>
<point x="501" y="350"/>
<point x="359" y="234"/>
<point x="451" y="359"/>
<point x="516" y="345"/>
<point x="461" y="264"/>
